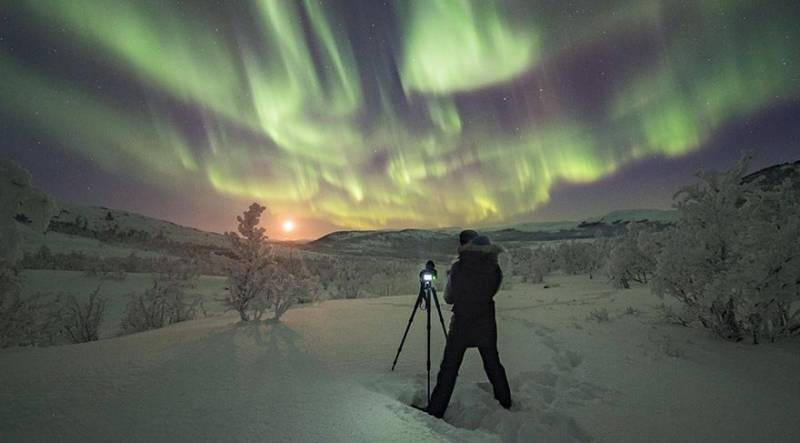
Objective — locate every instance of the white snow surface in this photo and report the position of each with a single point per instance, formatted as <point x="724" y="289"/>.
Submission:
<point x="322" y="374"/>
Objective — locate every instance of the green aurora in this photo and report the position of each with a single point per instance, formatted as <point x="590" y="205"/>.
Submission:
<point x="470" y="110"/>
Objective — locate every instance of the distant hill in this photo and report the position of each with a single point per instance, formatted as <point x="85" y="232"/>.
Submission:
<point x="442" y="243"/>
<point x="94" y="220"/>
<point x="105" y="232"/>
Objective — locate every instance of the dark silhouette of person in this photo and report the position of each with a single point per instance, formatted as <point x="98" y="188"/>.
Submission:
<point x="472" y="282"/>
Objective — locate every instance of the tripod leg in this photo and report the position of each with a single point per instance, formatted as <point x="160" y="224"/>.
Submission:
<point x="410" y="319"/>
<point x="439" y="308"/>
<point x="428" y="361"/>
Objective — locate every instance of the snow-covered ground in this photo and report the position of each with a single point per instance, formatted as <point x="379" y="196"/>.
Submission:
<point x="322" y="374"/>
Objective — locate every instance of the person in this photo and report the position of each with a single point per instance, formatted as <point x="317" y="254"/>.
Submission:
<point x="473" y="280"/>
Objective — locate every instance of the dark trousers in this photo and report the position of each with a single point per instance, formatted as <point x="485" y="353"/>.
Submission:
<point x="451" y="362"/>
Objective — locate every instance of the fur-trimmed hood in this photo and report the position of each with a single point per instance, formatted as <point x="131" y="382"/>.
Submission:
<point x="479" y="258"/>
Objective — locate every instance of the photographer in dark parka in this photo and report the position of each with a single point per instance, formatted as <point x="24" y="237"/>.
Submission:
<point x="473" y="281"/>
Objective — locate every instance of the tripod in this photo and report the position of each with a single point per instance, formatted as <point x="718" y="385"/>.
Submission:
<point x="426" y="293"/>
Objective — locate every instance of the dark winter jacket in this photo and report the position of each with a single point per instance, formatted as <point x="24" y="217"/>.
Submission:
<point x="473" y="281"/>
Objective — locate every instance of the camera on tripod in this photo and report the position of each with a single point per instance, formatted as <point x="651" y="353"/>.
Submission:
<point x="427" y="294"/>
<point x="428" y="275"/>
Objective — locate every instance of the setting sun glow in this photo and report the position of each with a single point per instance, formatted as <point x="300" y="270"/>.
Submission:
<point x="288" y="226"/>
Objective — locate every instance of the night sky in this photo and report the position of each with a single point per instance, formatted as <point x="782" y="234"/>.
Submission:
<point x="370" y="114"/>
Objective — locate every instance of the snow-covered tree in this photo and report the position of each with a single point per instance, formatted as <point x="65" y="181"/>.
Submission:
<point x="733" y="259"/>
<point x="596" y="255"/>
<point x="570" y="257"/>
<point x="20" y="204"/>
<point x="24" y="321"/>
<point x="631" y="257"/>
<point x="167" y="301"/>
<point x="248" y="275"/>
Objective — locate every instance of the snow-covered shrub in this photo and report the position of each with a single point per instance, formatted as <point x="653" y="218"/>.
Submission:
<point x="571" y="257"/>
<point x="167" y="301"/>
<point x="533" y="264"/>
<point x="105" y="274"/>
<point x="248" y="275"/>
<point x="599" y="315"/>
<point x="585" y="257"/>
<point x="81" y="321"/>
<point x="733" y="258"/>
<point x="630" y="310"/>
<point x="290" y="284"/>
<point x="349" y="279"/>
<point x="632" y="257"/>
<point x="30" y="321"/>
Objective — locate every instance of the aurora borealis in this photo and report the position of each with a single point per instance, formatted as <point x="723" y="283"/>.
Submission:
<point x="369" y="114"/>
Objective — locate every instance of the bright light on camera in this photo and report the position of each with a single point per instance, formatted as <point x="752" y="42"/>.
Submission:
<point x="427" y="277"/>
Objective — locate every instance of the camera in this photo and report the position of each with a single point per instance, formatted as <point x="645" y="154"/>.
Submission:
<point x="428" y="275"/>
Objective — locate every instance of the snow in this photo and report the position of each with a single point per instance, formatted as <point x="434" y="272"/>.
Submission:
<point x="322" y="374"/>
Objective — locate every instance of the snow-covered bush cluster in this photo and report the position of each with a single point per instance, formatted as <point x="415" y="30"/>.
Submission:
<point x="349" y="276"/>
<point x="572" y="257"/>
<point x="631" y="257"/>
<point x="97" y="266"/>
<point x="169" y="300"/>
<point x="533" y="264"/>
<point x="45" y="319"/>
<point x="26" y="321"/>
<point x="257" y="281"/>
<point x="290" y="282"/>
<point x="733" y="258"/>
<point x="81" y="321"/>
<point x="585" y="257"/>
